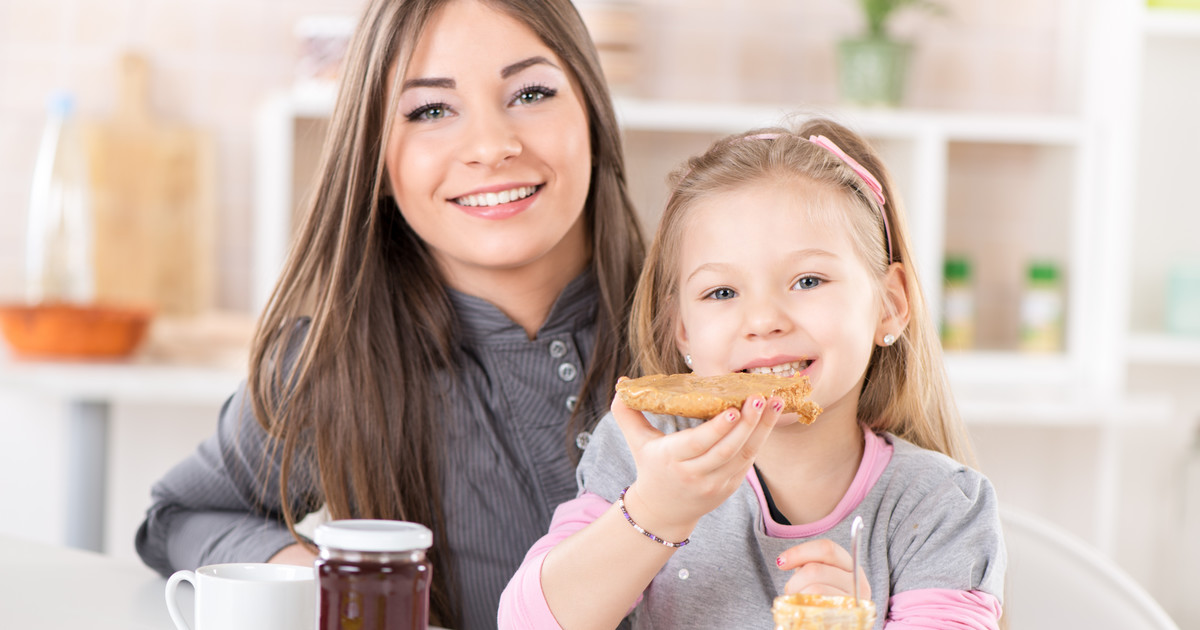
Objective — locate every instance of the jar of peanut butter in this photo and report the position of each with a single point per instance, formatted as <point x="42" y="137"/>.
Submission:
<point x="821" y="612"/>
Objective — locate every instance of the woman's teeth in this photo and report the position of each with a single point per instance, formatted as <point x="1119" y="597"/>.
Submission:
<point x="484" y="200"/>
<point x="783" y="369"/>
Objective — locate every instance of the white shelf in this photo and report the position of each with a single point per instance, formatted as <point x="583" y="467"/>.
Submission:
<point x="685" y="116"/>
<point x="1164" y="349"/>
<point x="1022" y="407"/>
<point x="928" y="135"/>
<point x="1171" y="23"/>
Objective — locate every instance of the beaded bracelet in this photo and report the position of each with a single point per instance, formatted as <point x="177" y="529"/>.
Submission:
<point x="625" y="513"/>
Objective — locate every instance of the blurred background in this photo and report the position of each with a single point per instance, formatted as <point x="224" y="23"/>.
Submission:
<point x="1043" y="148"/>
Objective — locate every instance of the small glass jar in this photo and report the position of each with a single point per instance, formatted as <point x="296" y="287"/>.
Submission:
<point x="821" y="612"/>
<point x="373" y="574"/>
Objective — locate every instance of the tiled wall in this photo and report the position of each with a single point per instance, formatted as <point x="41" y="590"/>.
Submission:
<point x="215" y="61"/>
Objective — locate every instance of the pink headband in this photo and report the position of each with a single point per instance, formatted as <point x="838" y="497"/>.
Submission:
<point x="872" y="183"/>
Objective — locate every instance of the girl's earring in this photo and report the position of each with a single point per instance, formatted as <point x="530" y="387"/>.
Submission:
<point x="889" y="339"/>
<point x="687" y="358"/>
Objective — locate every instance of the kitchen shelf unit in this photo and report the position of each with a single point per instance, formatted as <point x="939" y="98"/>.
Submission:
<point x="1154" y="110"/>
<point x="918" y="140"/>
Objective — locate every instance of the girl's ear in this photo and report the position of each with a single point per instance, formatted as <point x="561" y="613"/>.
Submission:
<point x="894" y="318"/>
<point x="681" y="338"/>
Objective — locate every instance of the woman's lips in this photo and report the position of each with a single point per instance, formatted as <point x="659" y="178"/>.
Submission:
<point x="498" y="204"/>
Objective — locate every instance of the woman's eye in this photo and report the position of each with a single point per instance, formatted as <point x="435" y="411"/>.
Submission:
<point x="432" y="111"/>
<point x="532" y="94"/>
<point x="807" y="282"/>
<point x="724" y="293"/>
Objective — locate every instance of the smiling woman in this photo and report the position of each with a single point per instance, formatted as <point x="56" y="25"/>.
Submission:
<point x="452" y="313"/>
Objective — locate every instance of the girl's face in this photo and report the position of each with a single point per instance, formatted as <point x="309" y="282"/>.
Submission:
<point x="489" y="156"/>
<point x="764" y="286"/>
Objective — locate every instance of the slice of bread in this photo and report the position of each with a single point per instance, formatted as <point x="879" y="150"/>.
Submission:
<point x="704" y="397"/>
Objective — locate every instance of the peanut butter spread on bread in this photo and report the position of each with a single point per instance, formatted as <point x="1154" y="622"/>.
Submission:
<point x="704" y="397"/>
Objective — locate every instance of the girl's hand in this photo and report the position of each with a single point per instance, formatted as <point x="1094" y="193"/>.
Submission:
<point x="822" y="568"/>
<point x="685" y="475"/>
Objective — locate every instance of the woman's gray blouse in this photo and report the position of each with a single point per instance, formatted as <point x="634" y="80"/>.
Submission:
<point x="507" y="465"/>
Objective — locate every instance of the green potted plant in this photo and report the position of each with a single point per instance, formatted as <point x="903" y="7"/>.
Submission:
<point x="873" y="67"/>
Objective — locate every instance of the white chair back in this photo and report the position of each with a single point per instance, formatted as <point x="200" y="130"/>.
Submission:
<point x="1056" y="581"/>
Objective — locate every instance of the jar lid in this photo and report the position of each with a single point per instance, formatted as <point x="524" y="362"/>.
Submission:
<point x="373" y="535"/>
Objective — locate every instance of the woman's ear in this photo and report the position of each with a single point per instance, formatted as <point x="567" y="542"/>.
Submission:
<point x="894" y="316"/>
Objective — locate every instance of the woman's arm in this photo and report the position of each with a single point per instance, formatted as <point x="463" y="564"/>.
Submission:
<point x="217" y="505"/>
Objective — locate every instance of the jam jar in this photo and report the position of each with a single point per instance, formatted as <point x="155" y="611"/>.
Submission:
<point x="373" y="574"/>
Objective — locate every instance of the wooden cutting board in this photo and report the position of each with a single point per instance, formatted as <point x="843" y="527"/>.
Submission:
<point x="153" y="204"/>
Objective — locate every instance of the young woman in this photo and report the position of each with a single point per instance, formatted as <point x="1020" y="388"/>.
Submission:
<point x="452" y="314"/>
<point x="782" y="252"/>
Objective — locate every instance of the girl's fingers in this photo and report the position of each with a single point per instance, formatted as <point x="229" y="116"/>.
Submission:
<point x="737" y="449"/>
<point x="637" y="430"/>
<point x="822" y="551"/>
<point x="822" y="567"/>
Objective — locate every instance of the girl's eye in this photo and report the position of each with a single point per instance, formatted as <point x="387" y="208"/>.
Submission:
<point x="807" y="282"/>
<point x="723" y="293"/>
<point x="533" y="93"/>
<point x="431" y="111"/>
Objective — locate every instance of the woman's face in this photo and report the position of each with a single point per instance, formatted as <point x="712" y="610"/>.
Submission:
<point x="489" y="154"/>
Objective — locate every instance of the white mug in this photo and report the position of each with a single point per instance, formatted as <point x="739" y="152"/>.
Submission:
<point x="248" y="596"/>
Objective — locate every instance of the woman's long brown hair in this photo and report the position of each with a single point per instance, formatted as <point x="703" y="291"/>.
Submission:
<point x="352" y="406"/>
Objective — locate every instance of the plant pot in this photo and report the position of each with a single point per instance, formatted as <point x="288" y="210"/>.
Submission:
<point x="872" y="71"/>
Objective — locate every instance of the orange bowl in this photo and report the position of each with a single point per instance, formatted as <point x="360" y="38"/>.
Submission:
<point x="69" y="331"/>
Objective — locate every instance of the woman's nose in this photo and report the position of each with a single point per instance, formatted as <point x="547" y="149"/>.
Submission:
<point x="491" y="139"/>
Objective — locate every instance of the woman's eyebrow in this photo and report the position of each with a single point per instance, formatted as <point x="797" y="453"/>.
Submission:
<point x="433" y="82"/>
<point x="514" y="68"/>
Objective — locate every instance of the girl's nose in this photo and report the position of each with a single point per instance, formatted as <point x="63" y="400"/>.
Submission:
<point x="767" y="318"/>
<point x="491" y="139"/>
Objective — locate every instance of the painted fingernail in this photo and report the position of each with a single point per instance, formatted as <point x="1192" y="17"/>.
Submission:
<point x="778" y="406"/>
<point x="758" y="403"/>
<point x="731" y="415"/>
<point x="779" y="561"/>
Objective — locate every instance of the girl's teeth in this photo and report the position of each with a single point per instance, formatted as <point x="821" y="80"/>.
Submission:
<point x="494" y="199"/>
<point x="783" y="369"/>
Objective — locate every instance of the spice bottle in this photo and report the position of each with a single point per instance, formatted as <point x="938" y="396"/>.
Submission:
<point x="1042" y="309"/>
<point x="373" y="574"/>
<point x="958" y="306"/>
<point x="58" y="243"/>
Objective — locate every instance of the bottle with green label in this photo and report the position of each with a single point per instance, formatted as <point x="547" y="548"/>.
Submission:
<point x="958" y="305"/>
<point x="1042" y="309"/>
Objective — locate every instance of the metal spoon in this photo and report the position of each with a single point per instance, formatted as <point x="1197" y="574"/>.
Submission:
<point x="855" y="543"/>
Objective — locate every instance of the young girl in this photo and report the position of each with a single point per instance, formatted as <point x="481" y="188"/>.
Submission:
<point x="452" y="314"/>
<point x="787" y="252"/>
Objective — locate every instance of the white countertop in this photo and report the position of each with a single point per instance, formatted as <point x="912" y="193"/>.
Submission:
<point x="55" y="588"/>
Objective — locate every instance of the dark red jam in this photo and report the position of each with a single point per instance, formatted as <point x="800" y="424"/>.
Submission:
<point x="373" y="591"/>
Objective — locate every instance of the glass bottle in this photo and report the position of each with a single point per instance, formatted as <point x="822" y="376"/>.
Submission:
<point x="373" y="574"/>
<point x="958" y="306"/>
<point x="58" y="247"/>
<point x="1042" y="309"/>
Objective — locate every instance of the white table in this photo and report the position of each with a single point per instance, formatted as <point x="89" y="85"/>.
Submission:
<point x="90" y="389"/>
<point x="53" y="588"/>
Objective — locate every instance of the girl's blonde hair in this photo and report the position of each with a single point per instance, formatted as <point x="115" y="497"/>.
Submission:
<point x="359" y="411"/>
<point x="905" y="390"/>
